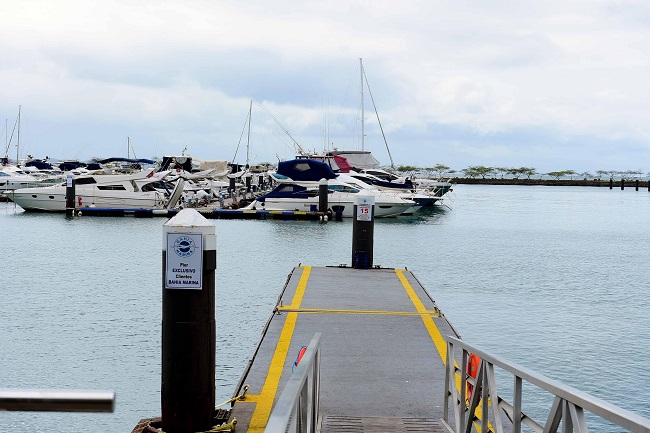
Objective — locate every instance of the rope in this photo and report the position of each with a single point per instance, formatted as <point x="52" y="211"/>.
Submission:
<point x="432" y="313"/>
<point x="220" y="428"/>
<point x="240" y="397"/>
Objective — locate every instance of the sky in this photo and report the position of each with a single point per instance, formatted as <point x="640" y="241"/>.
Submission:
<point x="552" y="85"/>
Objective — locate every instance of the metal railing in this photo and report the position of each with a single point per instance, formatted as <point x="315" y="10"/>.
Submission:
<point x="297" y="409"/>
<point x="56" y="401"/>
<point x="568" y="407"/>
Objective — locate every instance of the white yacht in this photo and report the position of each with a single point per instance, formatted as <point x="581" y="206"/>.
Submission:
<point x="140" y="190"/>
<point x="13" y="178"/>
<point x="298" y="185"/>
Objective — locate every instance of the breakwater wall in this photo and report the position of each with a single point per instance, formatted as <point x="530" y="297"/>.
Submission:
<point x="631" y="183"/>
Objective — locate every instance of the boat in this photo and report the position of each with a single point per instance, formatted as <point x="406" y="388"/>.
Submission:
<point x="141" y="190"/>
<point x="360" y="166"/>
<point x="298" y="190"/>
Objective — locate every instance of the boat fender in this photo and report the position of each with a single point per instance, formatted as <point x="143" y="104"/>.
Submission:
<point x="79" y="200"/>
<point x="472" y="370"/>
<point x="301" y="353"/>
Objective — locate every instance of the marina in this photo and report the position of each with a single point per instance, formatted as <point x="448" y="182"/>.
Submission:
<point x="569" y="328"/>
<point x="306" y="184"/>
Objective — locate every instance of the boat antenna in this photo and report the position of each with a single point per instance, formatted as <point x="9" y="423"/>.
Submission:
<point x="363" y="132"/>
<point x="392" y="164"/>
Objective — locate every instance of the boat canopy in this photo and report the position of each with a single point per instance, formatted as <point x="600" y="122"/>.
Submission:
<point x="359" y="159"/>
<point x="305" y="170"/>
<point x="286" y="191"/>
<point x="41" y="165"/>
<point x="130" y="160"/>
<point x="180" y="162"/>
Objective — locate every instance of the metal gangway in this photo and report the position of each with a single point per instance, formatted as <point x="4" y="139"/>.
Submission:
<point x="297" y="409"/>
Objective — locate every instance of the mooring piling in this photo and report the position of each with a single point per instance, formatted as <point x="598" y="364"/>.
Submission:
<point x="70" y="195"/>
<point x="363" y="231"/>
<point x="322" y="195"/>
<point x="188" y="323"/>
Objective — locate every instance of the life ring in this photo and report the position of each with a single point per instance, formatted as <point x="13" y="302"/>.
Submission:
<point x="472" y="370"/>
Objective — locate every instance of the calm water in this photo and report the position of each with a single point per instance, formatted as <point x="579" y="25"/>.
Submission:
<point x="556" y="279"/>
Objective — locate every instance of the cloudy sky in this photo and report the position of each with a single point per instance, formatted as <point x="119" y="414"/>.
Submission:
<point x="552" y="85"/>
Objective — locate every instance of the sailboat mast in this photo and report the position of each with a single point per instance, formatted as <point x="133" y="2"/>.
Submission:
<point x="363" y="131"/>
<point x="128" y="147"/>
<point x="18" y="144"/>
<point x="248" y="145"/>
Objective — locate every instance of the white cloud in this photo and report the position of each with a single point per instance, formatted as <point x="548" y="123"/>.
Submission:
<point x="486" y="75"/>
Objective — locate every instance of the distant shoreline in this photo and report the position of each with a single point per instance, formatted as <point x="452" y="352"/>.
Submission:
<point x="552" y="182"/>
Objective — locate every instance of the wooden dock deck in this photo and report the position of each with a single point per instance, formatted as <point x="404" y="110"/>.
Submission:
<point x="382" y="351"/>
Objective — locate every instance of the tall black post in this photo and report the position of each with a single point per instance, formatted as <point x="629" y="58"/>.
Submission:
<point x="188" y="323"/>
<point x="611" y="183"/>
<point x="248" y="183"/>
<point x="70" y="196"/>
<point x="636" y="184"/>
<point x="322" y="196"/>
<point x="363" y="232"/>
<point x="622" y="183"/>
<point x="231" y="188"/>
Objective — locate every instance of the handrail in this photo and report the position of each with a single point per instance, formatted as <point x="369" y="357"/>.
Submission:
<point x="568" y="407"/>
<point x="296" y="403"/>
<point x="56" y="401"/>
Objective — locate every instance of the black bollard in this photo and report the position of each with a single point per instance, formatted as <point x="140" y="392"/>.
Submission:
<point x="611" y="183"/>
<point x="636" y="184"/>
<point x="622" y="183"/>
<point x="322" y="195"/>
<point x="70" y="196"/>
<point x="363" y="232"/>
<point x="188" y="323"/>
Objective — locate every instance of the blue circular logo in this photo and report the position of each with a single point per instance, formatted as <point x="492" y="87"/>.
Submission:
<point x="184" y="246"/>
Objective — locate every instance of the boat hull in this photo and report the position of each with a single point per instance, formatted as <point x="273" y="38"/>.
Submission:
<point x="345" y="207"/>
<point x="44" y="200"/>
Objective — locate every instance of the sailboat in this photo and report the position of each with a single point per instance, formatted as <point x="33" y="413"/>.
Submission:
<point x="363" y="166"/>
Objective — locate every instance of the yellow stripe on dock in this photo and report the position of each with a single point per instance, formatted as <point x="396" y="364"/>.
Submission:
<point x="437" y="338"/>
<point x="265" y="400"/>
<point x="375" y="312"/>
<point x="433" y="330"/>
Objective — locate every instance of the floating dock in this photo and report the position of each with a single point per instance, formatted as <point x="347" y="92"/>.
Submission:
<point x="207" y="213"/>
<point x="382" y="351"/>
<point x="351" y="350"/>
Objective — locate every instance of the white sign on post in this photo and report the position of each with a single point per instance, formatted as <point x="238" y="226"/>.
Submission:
<point x="184" y="261"/>
<point x="364" y="208"/>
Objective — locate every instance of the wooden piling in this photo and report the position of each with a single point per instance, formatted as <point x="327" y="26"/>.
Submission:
<point x="188" y="323"/>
